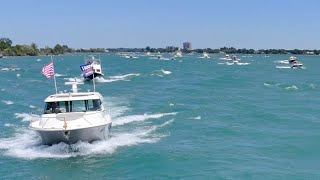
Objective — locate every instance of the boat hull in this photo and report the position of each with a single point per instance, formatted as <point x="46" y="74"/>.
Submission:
<point x="89" y="134"/>
<point x="95" y="75"/>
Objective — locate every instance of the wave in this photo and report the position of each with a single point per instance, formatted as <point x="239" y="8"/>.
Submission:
<point x="165" y="72"/>
<point x="196" y="118"/>
<point x="125" y="77"/>
<point x="23" y="116"/>
<point x="26" y="144"/>
<point x="293" y="87"/>
<point x="138" y="118"/>
<point x="10" y="69"/>
<point x="8" y="102"/>
<point x="60" y="75"/>
<point x="8" y="125"/>
<point x="282" y="61"/>
<point x="32" y="107"/>
<point x="283" y="67"/>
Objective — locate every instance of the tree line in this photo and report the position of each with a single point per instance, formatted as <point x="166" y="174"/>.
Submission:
<point x="7" y="49"/>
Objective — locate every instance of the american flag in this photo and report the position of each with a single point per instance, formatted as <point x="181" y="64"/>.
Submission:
<point x="48" y="70"/>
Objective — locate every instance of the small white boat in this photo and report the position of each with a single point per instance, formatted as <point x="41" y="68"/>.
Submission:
<point x="297" y="65"/>
<point x="227" y="57"/>
<point x="178" y="53"/>
<point x="235" y="59"/>
<point x="205" y="55"/>
<point x="72" y="117"/>
<point x="293" y="59"/>
<point x="92" y="68"/>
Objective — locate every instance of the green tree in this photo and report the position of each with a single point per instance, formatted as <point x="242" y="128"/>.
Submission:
<point x="5" y="43"/>
<point x="58" y="49"/>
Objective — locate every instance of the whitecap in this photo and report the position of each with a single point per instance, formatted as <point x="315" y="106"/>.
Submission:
<point x="8" y="125"/>
<point x="60" y="75"/>
<point x="8" y="102"/>
<point x="125" y="77"/>
<point x="283" y="67"/>
<point x="293" y="87"/>
<point x="165" y="72"/>
<point x="138" y="118"/>
<point x="282" y="61"/>
<point x="32" y="107"/>
<point x="23" y="116"/>
<point x="26" y="144"/>
<point x="196" y="118"/>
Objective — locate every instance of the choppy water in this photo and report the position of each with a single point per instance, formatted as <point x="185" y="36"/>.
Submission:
<point x="190" y="118"/>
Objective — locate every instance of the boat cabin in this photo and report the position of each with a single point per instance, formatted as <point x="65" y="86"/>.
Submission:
<point x="73" y="102"/>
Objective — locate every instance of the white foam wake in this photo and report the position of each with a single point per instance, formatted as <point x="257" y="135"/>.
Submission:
<point x="125" y="77"/>
<point x="283" y="67"/>
<point x="60" y="75"/>
<point x="138" y="118"/>
<point x="165" y="72"/>
<point x="23" y="116"/>
<point x="8" y="102"/>
<point x="26" y="144"/>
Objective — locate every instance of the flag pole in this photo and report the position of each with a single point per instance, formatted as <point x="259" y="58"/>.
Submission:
<point x="54" y="76"/>
<point x="94" y="83"/>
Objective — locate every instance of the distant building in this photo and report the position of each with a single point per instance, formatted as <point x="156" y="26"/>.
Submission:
<point x="187" y="45"/>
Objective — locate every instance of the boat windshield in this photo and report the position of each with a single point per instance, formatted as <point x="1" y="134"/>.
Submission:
<point x="72" y="106"/>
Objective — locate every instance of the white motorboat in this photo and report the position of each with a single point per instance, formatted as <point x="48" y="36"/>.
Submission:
<point x="235" y="59"/>
<point x="293" y="59"/>
<point x="205" y="55"/>
<point x="72" y="117"/>
<point x="178" y="53"/>
<point x="227" y="57"/>
<point x="297" y="65"/>
<point x="92" y="68"/>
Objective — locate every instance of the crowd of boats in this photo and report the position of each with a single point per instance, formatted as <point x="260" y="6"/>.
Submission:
<point x="80" y="116"/>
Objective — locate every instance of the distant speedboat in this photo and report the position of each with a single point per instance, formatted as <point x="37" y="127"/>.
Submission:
<point x="1" y="56"/>
<point x="92" y="68"/>
<point x="293" y="59"/>
<point x="297" y="65"/>
<point x="205" y="55"/>
<point x="227" y="57"/>
<point x="178" y="54"/>
<point x="235" y="59"/>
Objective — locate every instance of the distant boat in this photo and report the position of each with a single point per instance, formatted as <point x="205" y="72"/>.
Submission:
<point x="178" y="54"/>
<point x="292" y="59"/>
<point x="92" y="68"/>
<point x="235" y="59"/>
<point x="205" y="55"/>
<point x="227" y="57"/>
<point x="295" y="63"/>
<point x="1" y="56"/>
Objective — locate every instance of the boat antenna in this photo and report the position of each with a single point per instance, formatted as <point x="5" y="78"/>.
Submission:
<point x="54" y="76"/>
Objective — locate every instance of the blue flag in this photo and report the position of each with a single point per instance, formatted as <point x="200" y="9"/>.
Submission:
<point x="87" y="69"/>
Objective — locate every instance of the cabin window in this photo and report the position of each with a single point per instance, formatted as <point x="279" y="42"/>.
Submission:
<point x="72" y="106"/>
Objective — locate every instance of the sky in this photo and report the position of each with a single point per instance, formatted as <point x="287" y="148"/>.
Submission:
<point x="257" y="24"/>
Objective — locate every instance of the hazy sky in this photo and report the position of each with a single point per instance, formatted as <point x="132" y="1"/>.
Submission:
<point x="138" y="23"/>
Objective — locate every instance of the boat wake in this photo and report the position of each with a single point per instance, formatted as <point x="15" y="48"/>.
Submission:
<point x="8" y="102"/>
<point x="283" y="67"/>
<point x="126" y="77"/>
<point x="161" y="72"/>
<point x="282" y="61"/>
<point x="26" y="144"/>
